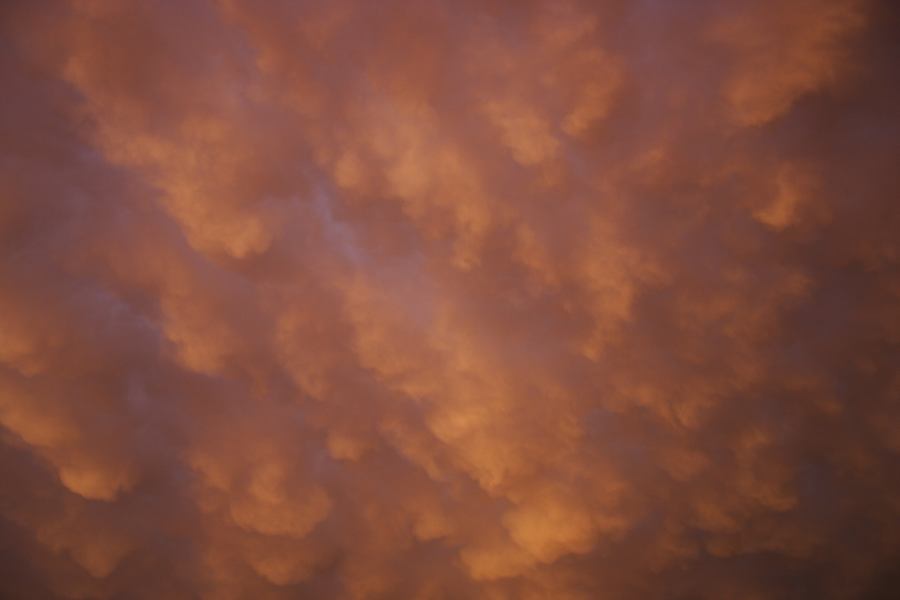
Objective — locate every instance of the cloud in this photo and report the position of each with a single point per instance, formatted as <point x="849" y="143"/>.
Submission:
<point x="433" y="300"/>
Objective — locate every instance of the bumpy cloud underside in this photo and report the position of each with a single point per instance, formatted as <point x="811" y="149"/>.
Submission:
<point x="474" y="299"/>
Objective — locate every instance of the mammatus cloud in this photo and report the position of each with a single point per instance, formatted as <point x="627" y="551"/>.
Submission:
<point x="427" y="300"/>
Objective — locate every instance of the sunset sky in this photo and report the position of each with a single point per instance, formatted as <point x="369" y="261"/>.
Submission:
<point x="450" y="299"/>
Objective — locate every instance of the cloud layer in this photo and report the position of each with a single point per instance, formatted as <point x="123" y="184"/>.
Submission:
<point x="436" y="300"/>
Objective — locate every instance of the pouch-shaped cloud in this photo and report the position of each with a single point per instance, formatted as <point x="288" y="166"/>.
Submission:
<point x="438" y="300"/>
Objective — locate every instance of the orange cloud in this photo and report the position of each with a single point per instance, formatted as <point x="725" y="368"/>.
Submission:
<point x="490" y="300"/>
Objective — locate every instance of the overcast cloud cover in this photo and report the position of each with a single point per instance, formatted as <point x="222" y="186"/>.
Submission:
<point x="433" y="299"/>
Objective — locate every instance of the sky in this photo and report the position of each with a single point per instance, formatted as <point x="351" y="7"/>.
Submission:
<point x="449" y="299"/>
